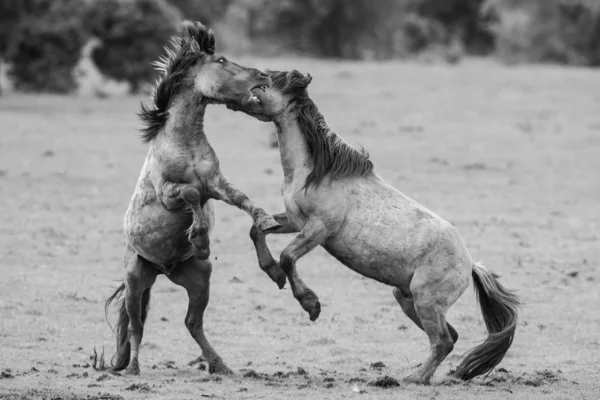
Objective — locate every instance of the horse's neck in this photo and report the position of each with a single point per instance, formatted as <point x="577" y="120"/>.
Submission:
<point x="185" y="127"/>
<point x="293" y="148"/>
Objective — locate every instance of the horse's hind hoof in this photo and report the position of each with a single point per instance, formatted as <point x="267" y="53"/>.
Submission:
<point x="133" y="370"/>
<point x="268" y="224"/>
<point x="415" y="379"/>
<point x="310" y="303"/>
<point x="219" y="368"/>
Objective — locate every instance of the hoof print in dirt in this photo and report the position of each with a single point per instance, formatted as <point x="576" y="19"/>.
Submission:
<point x="252" y="374"/>
<point x="6" y="374"/>
<point x="378" y="365"/>
<point x="384" y="382"/>
<point x="169" y="364"/>
<point x="77" y="376"/>
<point x="356" y="379"/>
<point x="535" y="379"/>
<point x="539" y="378"/>
<point x="140" y="387"/>
<point x="212" y="378"/>
<point x="104" y="377"/>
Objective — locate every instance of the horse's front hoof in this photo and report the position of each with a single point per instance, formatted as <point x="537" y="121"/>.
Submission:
<point x="280" y="281"/>
<point x="276" y="274"/>
<point x="310" y="303"/>
<point x="219" y="368"/>
<point x="267" y="223"/>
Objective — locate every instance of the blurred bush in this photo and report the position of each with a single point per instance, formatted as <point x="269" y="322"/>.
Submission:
<point x="359" y="29"/>
<point x="132" y="35"/>
<point x="559" y="31"/>
<point x="42" y="39"/>
<point x="45" y="44"/>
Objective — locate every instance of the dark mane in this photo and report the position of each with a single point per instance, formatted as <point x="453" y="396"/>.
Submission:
<point x="331" y="156"/>
<point x="192" y="41"/>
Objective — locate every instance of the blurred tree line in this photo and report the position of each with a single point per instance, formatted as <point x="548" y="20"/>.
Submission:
<point x="42" y="40"/>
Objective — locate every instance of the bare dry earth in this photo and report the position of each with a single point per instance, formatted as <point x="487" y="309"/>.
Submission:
<point x="511" y="156"/>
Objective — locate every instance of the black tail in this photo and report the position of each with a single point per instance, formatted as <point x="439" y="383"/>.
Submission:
<point x="121" y="358"/>
<point x="500" y="308"/>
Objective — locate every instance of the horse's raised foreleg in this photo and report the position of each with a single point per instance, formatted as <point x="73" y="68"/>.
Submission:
<point x="225" y="191"/>
<point x="312" y="235"/>
<point x="139" y="278"/>
<point x="265" y="259"/>
<point x="194" y="276"/>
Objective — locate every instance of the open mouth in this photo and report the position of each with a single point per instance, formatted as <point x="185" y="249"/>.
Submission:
<point x="257" y="87"/>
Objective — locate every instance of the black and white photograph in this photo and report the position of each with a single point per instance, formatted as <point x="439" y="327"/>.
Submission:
<point x="299" y="199"/>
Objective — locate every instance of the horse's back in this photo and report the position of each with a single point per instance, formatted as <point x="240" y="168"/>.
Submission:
<point x="386" y="235"/>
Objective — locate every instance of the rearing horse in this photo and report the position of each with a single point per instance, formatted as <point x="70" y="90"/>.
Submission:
<point x="171" y="214"/>
<point x="334" y="199"/>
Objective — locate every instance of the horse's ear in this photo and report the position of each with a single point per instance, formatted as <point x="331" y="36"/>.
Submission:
<point x="307" y="80"/>
<point x="298" y="80"/>
<point x="196" y="31"/>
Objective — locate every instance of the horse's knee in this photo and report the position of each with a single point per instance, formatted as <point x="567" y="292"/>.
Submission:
<point x="286" y="261"/>
<point x="254" y="233"/>
<point x="453" y="333"/>
<point x="406" y="302"/>
<point x="191" y="195"/>
<point x="447" y="345"/>
<point x="193" y="323"/>
<point x="135" y="329"/>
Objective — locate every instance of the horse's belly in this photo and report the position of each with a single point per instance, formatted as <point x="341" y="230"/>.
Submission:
<point x="384" y="264"/>
<point x="158" y="235"/>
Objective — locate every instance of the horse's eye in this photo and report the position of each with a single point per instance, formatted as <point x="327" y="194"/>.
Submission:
<point x="221" y="60"/>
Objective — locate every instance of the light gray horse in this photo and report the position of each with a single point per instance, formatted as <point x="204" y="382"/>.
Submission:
<point x="334" y="199"/>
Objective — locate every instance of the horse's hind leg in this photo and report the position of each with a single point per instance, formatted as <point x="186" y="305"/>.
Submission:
<point x="407" y="303"/>
<point x="140" y="275"/>
<point x="433" y="293"/>
<point x="265" y="259"/>
<point x="194" y="276"/>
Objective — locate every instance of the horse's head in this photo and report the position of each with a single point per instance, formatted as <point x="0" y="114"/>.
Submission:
<point x="220" y="80"/>
<point x="191" y="63"/>
<point x="288" y="87"/>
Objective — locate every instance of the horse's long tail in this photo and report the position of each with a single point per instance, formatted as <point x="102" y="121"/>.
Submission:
<point x="500" y="308"/>
<point x="121" y="358"/>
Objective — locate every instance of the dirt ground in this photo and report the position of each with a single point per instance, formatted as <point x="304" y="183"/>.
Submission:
<point x="510" y="156"/>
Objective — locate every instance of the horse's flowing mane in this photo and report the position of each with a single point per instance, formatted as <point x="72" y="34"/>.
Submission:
<point x="186" y="47"/>
<point x="331" y="156"/>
